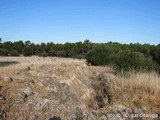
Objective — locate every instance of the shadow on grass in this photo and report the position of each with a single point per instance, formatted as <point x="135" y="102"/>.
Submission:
<point x="6" y="63"/>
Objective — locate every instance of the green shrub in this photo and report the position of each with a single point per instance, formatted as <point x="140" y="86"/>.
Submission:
<point x="155" y="53"/>
<point x="61" y="53"/>
<point x="100" y="56"/>
<point x="14" y="53"/>
<point x="27" y="51"/>
<point x="4" y="52"/>
<point x="137" y="103"/>
<point x="72" y="53"/>
<point x="43" y="54"/>
<point x="52" y="52"/>
<point x="127" y="61"/>
<point x="152" y="65"/>
<point x="37" y="52"/>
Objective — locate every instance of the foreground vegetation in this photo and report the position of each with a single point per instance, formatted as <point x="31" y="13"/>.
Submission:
<point x="122" y="57"/>
<point x="57" y="86"/>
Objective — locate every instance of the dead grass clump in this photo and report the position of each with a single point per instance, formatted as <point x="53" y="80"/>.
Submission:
<point x="141" y="89"/>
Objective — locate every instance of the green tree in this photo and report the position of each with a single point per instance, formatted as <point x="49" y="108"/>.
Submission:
<point x="100" y="56"/>
<point x="7" y="45"/>
<point x="127" y="61"/>
<point x="19" y="45"/>
<point x="72" y="53"/>
<point x="14" y="53"/>
<point x="43" y="47"/>
<point x="52" y="52"/>
<point x="61" y="53"/>
<point x="27" y="43"/>
<point x="4" y="52"/>
<point x="87" y="45"/>
<point x="27" y="51"/>
<point x="0" y="42"/>
<point x="43" y="54"/>
<point x="155" y="53"/>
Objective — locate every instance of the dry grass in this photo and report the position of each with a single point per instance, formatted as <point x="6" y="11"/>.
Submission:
<point x="141" y="89"/>
<point x="73" y="72"/>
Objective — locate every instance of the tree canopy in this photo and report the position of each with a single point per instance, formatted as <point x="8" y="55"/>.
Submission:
<point x="95" y="53"/>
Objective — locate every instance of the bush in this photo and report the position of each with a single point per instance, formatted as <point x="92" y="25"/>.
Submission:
<point x="100" y="56"/>
<point x="155" y="53"/>
<point x="72" y="53"/>
<point x="152" y="65"/>
<point x="36" y="52"/>
<point x="43" y="54"/>
<point x="133" y="61"/>
<point x="52" y="52"/>
<point x="61" y="53"/>
<point x="27" y="51"/>
<point x="4" y="52"/>
<point x="14" y="53"/>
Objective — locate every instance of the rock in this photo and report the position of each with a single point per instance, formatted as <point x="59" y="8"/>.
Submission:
<point x="18" y="101"/>
<point x="113" y="116"/>
<point x="90" y="115"/>
<point x="78" y="114"/>
<point x="26" y="69"/>
<point x="26" y="92"/>
<point x="103" y="117"/>
<point x="118" y="112"/>
<point x="104" y="97"/>
<point x="52" y="94"/>
<point x="2" y="115"/>
<point x="8" y="79"/>
<point x="31" y="81"/>
<point x="47" y="81"/>
<point x="2" y="97"/>
<point x="140" y="110"/>
<point x="23" y="95"/>
<point x="42" y="105"/>
<point x="82" y="77"/>
<point x="53" y="76"/>
<point x="55" y="118"/>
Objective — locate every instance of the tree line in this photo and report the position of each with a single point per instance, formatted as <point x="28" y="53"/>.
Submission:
<point x="121" y="56"/>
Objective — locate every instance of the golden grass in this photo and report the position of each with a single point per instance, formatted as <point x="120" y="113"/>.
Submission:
<point x="141" y="89"/>
<point x="73" y="72"/>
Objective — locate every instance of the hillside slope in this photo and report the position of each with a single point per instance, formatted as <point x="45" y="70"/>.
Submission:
<point x="68" y="89"/>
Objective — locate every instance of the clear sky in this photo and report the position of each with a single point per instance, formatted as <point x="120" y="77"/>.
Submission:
<point x="60" y="21"/>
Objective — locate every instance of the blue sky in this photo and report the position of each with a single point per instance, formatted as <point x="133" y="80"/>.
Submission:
<point x="60" y="21"/>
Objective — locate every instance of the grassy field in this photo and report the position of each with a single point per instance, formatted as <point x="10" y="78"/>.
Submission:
<point x="135" y="90"/>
